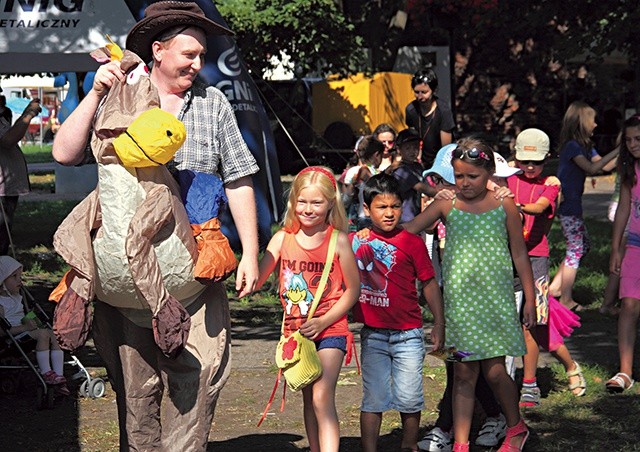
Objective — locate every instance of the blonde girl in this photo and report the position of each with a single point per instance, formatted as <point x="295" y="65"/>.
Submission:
<point x="299" y="250"/>
<point x="624" y="259"/>
<point x="484" y="235"/>
<point x="578" y="159"/>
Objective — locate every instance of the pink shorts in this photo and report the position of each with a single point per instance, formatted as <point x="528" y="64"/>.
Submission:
<point x="629" y="275"/>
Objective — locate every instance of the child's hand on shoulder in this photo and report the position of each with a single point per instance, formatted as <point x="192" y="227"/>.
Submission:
<point x="363" y="234"/>
<point x="502" y="192"/>
<point x="445" y="194"/>
<point x="552" y="180"/>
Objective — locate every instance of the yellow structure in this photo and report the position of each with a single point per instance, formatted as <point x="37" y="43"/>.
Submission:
<point x="362" y="102"/>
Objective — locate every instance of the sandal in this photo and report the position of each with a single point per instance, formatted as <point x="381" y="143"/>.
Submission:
<point x="581" y="384"/>
<point x="519" y="429"/>
<point x="620" y="382"/>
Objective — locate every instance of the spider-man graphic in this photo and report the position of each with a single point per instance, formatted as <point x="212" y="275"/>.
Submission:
<point x="370" y="255"/>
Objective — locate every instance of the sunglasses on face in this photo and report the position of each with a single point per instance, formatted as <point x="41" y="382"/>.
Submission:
<point x="531" y="162"/>
<point x="436" y="179"/>
<point x="388" y="142"/>
<point x="471" y="154"/>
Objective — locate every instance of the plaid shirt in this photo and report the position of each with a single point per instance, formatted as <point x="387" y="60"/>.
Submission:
<point x="214" y="144"/>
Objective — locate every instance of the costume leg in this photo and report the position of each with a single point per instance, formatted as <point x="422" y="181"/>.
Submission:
<point x="130" y="355"/>
<point x="194" y="379"/>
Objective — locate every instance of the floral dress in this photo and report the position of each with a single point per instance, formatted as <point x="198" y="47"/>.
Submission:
<point x="479" y="302"/>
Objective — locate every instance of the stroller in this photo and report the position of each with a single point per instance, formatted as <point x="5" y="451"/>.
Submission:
<point x="14" y="357"/>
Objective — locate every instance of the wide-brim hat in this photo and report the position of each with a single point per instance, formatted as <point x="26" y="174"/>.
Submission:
<point x="161" y="16"/>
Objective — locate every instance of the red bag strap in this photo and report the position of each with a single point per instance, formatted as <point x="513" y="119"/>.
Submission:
<point x="273" y="395"/>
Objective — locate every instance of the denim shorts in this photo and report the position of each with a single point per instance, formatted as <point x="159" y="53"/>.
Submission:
<point x="392" y="370"/>
<point x="339" y="342"/>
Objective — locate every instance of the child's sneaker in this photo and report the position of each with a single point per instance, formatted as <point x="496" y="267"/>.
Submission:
<point x="492" y="431"/>
<point x="436" y="441"/>
<point x="530" y="397"/>
<point x="52" y="378"/>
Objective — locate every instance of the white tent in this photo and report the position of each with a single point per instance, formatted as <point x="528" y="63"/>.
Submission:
<point x="57" y="35"/>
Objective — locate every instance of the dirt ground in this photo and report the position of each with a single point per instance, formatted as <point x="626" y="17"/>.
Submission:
<point x="78" y="423"/>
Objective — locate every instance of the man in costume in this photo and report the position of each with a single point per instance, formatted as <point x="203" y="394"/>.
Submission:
<point x="172" y="35"/>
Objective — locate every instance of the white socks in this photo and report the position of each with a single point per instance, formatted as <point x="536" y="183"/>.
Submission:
<point x="42" y="356"/>
<point x="57" y="361"/>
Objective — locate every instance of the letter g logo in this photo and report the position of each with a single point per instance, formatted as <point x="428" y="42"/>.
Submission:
<point x="229" y="63"/>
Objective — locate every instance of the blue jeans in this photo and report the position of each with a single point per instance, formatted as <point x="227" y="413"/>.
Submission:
<point x="392" y="370"/>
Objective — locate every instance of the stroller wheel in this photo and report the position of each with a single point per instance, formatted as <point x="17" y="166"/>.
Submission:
<point x="96" y="388"/>
<point x="84" y="391"/>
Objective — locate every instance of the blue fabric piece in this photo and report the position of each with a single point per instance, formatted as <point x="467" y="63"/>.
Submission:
<point x="202" y="194"/>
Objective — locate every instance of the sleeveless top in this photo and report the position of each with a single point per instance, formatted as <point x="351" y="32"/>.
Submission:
<point x="300" y="273"/>
<point x="633" y="238"/>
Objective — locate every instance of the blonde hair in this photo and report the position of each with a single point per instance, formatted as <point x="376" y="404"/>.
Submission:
<point x="322" y="178"/>
<point x="574" y="125"/>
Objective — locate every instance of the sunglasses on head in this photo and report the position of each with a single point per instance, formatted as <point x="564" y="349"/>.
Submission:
<point x="471" y="154"/>
<point x="531" y="162"/>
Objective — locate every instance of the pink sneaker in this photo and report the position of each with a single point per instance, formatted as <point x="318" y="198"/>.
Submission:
<point x="52" y="378"/>
<point x="63" y="389"/>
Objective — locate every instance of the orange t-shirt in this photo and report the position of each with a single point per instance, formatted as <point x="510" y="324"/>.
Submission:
<point x="300" y="273"/>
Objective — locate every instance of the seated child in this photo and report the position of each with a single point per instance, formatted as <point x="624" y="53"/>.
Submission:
<point x="49" y="357"/>
<point x="389" y="261"/>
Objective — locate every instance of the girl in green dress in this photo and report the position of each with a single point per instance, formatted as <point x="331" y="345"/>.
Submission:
<point x="484" y="241"/>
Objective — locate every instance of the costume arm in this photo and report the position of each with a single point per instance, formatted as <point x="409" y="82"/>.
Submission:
<point x="242" y="204"/>
<point x="71" y="139"/>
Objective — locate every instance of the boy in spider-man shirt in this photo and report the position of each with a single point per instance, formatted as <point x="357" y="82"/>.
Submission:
<point x="390" y="260"/>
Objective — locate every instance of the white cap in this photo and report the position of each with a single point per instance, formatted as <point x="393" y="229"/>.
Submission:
<point x="532" y="144"/>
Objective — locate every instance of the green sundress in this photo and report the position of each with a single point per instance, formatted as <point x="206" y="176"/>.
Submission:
<point x="479" y="302"/>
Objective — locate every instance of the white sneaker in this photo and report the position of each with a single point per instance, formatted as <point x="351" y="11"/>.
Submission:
<point x="436" y="441"/>
<point x="492" y="431"/>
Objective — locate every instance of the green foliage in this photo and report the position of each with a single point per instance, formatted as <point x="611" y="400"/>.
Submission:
<point x="35" y="153"/>
<point x="314" y="33"/>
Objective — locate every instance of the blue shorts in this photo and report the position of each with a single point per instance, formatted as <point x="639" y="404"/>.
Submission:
<point x="339" y="342"/>
<point x="392" y="370"/>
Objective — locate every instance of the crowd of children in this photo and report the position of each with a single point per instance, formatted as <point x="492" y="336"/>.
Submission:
<point x="486" y="284"/>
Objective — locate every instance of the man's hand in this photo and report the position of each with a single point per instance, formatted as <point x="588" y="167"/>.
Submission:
<point x="105" y="76"/>
<point x="246" y="276"/>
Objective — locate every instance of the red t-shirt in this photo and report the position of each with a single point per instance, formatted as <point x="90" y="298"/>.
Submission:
<point x="389" y="264"/>
<point x="535" y="227"/>
<point x="300" y="273"/>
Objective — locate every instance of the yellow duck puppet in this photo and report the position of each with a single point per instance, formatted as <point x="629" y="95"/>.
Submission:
<point x="130" y="241"/>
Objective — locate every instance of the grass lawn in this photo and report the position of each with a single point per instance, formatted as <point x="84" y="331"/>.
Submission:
<point x="35" y="153"/>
